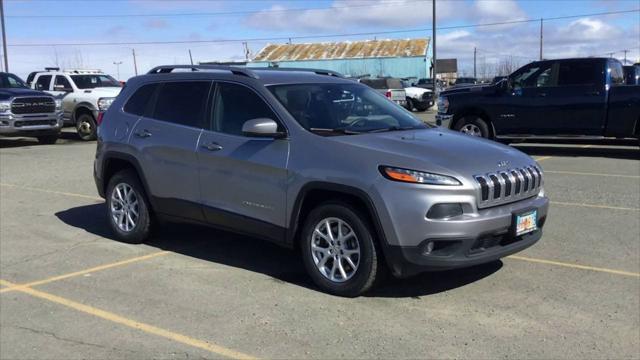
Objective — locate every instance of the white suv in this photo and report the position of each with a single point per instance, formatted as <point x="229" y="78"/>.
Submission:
<point x="84" y="94"/>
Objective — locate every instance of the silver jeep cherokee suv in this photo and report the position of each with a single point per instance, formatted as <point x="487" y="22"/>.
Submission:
<point x="316" y="162"/>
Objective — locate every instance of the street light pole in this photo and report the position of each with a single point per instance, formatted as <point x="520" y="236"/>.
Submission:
<point x="4" y="38"/>
<point x="117" y="64"/>
<point x="434" y="67"/>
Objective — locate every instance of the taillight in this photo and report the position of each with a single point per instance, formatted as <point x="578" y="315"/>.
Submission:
<point x="100" y="117"/>
<point x="388" y="94"/>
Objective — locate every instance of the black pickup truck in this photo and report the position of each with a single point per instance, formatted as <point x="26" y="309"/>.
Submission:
<point x="585" y="97"/>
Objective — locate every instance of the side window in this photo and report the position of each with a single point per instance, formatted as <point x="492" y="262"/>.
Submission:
<point x="236" y="104"/>
<point x="43" y="82"/>
<point x="544" y="79"/>
<point x="137" y="103"/>
<point x="578" y="73"/>
<point x="62" y="84"/>
<point x="30" y="77"/>
<point x="616" y="73"/>
<point x="182" y="102"/>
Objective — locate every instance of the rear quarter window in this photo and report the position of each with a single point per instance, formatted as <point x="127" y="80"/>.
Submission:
<point x="139" y="101"/>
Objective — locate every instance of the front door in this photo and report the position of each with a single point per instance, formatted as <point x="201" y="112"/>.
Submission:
<point x="166" y="140"/>
<point x="243" y="180"/>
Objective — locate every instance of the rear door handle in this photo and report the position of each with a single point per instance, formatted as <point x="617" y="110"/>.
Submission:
<point x="143" y="134"/>
<point x="212" y="146"/>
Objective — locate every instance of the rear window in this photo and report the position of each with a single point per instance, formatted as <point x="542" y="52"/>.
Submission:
<point x="394" y="84"/>
<point x="617" y="73"/>
<point x="138" y="102"/>
<point x="578" y="73"/>
<point x="182" y="103"/>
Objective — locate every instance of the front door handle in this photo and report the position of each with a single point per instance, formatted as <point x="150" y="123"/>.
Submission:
<point x="143" y="133"/>
<point x="212" y="146"/>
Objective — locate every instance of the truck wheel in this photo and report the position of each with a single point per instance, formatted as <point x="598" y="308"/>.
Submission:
<point x="127" y="208"/>
<point x="86" y="127"/>
<point x="474" y="126"/>
<point x="410" y="105"/>
<point x="48" y="139"/>
<point x="338" y="250"/>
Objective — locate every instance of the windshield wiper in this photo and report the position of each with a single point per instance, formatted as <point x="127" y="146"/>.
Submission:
<point x="335" y="131"/>
<point x="394" y="128"/>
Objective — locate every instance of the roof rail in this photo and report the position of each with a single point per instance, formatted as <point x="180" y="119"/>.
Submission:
<point x="52" y="69"/>
<point x="317" y="71"/>
<point x="164" y="69"/>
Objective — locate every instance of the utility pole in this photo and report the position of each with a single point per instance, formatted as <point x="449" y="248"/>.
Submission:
<point x="434" y="67"/>
<point x="625" y="56"/>
<point x="541" y="37"/>
<point x="475" y="51"/>
<point x="190" y="58"/>
<point x="4" y="38"/>
<point x="611" y="54"/>
<point x="135" y="65"/>
<point x="117" y="64"/>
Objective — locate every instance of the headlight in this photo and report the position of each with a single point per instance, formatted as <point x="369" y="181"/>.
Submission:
<point x="5" y="106"/>
<point x="104" y="103"/>
<point x="417" y="177"/>
<point x="58" y="104"/>
<point x="443" y="104"/>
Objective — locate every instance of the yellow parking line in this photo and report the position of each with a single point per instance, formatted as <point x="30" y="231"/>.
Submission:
<point x="52" y="191"/>
<point x="594" y="206"/>
<point x="590" y="174"/>
<point x="575" y="266"/>
<point x="150" y="329"/>
<point x="541" y="158"/>
<point x="82" y="272"/>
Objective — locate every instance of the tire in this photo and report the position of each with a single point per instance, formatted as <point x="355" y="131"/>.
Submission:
<point x="86" y="127"/>
<point x="410" y="105"/>
<point x="48" y="139"/>
<point x="474" y="126"/>
<point x="327" y="274"/>
<point x="126" y="181"/>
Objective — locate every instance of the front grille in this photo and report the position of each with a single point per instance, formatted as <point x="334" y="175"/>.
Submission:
<point x="33" y="105"/>
<point x="508" y="186"/>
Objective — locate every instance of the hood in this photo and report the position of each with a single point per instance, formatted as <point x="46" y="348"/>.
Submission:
<point x="438" y="150"/>
<point x="104" y="91"/>
<point x="480" y="88"/>
<point x="418" y="89"/>
<point x="6" y="94"/>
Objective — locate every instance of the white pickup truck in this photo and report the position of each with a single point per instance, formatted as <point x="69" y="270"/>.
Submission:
<point x="84" y="94"/>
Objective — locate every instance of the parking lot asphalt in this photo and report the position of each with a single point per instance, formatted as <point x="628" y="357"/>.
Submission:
<point x="68" y="290"/>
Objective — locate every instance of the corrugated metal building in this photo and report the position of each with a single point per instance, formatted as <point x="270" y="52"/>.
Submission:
<point x="396" y="58"/>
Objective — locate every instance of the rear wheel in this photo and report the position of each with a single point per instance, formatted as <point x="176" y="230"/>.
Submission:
<point x="473" y="125"/>
<point x="86" y="127"/>
<point x="410" y="105"/>
<point x="48" y="139"/>
<point x="338" y="250"/>
<point x="127" y="208"/>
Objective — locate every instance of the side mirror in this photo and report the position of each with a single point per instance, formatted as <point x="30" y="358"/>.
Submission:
<point x="262" y="127"/>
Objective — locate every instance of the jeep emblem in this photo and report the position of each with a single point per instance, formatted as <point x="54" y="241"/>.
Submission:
<point x="503" y="163"/>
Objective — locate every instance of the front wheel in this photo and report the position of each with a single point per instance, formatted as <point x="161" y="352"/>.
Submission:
<point x="338" y="250"/>
<point x="473" y="126"/>
<point x="410" y="105"/>
<point x="48" y="139"/>
<point x="86" y="127"/>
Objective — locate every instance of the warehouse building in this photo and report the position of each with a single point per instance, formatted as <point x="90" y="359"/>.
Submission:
<point x="406" y="58"/>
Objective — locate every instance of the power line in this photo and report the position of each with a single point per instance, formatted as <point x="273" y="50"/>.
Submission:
<point x="226" y="13"/>
<point x="321" y="36"/>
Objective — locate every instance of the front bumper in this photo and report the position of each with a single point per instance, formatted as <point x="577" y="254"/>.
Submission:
<point x="423" y="103"/>
<point x="444" y="120"/>
<point x="486" y="236"/>
<point x="30" y="124"/>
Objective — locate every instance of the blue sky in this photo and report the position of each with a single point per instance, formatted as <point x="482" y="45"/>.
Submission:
<point x="79" y="22"/>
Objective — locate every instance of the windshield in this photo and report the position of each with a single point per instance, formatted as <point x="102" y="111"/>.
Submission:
<point x="343" y="109"/>
<point x="10" y="81"/>
<point x="94" y="81"/>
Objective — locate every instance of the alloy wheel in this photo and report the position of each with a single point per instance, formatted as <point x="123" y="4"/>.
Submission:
<point x="335" y="249"/>
<point x="471" y="129"/>
<point x="124" y="207"/>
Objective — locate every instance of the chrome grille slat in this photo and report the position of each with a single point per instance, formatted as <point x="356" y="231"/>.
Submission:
<point x="507" y="186"/>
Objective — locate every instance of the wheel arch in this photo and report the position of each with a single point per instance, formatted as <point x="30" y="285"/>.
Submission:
<point x="315" y="193"/>
<point x="81" y="108"/>
<point x="116" y="161"/>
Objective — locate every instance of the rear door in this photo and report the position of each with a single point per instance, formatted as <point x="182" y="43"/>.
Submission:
<point x="243" y="179"/>
<point x="166" y="139"/>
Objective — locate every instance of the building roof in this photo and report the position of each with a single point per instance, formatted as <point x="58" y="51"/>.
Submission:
<point x="344" y="50"/>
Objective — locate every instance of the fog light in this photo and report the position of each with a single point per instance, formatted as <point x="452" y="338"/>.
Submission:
<point x="428" y="248"/>
<point x="444" y="211"/>
<point x="4" y="123"/>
